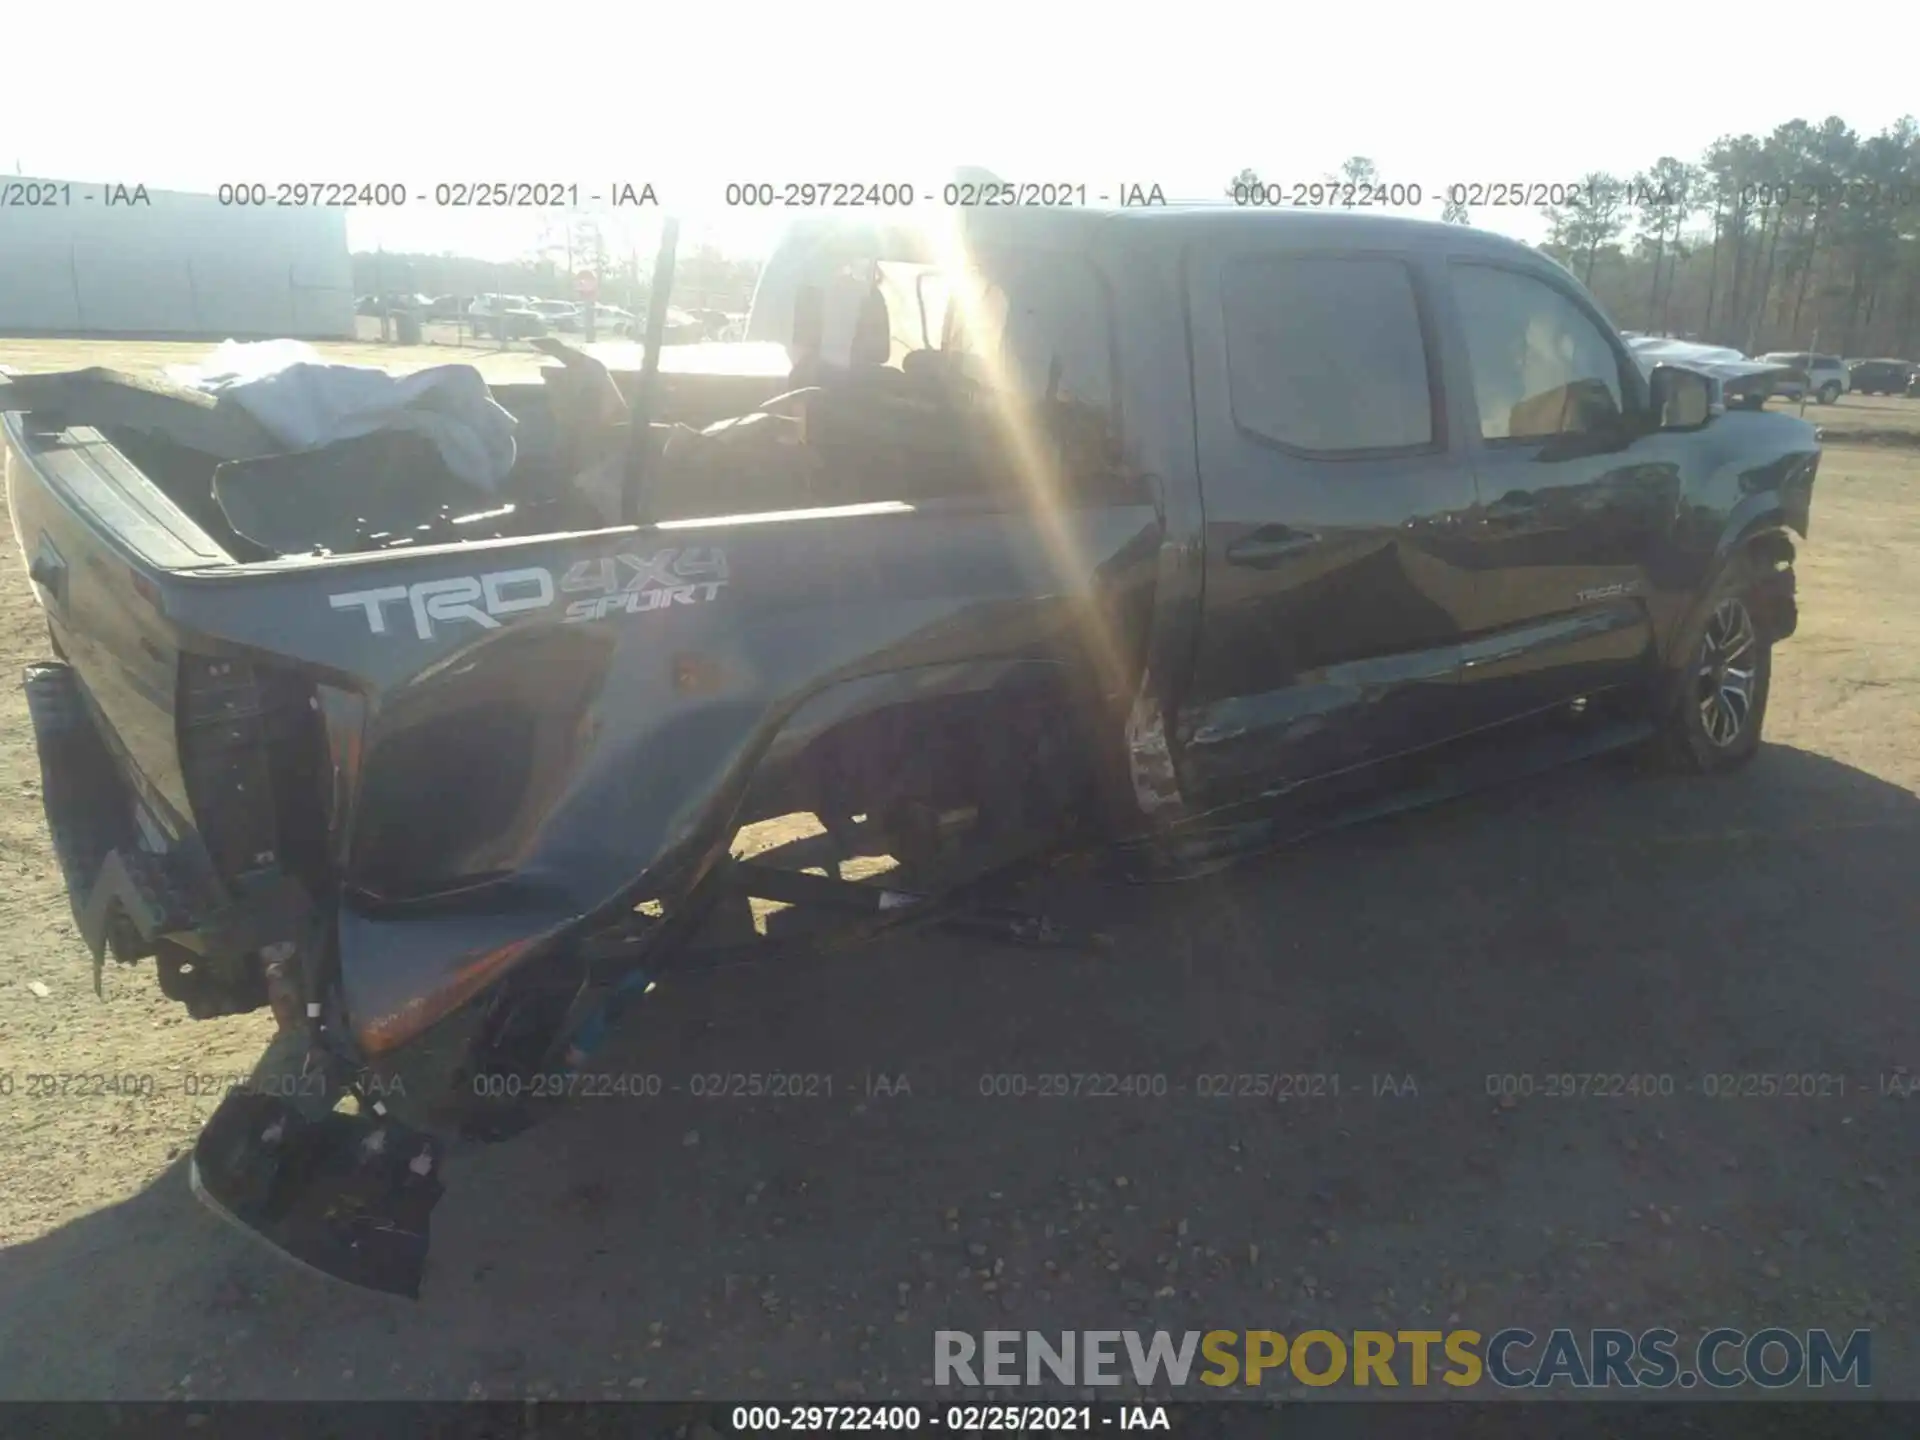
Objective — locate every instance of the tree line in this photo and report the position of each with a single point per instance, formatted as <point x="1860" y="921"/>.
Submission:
<point x="1806" y="238"/>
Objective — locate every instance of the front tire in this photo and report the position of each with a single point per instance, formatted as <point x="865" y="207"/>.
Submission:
<point x="1829" y="393"/>
<point x="1717" y="699"/>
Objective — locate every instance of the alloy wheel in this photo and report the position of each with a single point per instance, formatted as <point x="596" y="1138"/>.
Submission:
<point x="1724" y="691"/>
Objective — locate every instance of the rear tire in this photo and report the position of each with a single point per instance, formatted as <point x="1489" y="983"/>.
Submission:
<point x="1716" y="700"/>
<point x="1829" y="393"/>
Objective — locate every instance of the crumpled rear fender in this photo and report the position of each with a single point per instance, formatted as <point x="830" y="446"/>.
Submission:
<point x="547" y="776"/>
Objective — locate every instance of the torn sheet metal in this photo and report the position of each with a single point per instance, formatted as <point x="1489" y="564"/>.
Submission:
<point x="1156" y="785"/>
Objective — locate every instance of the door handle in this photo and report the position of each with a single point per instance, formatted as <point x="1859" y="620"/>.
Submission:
<point x="1270" y="545"/>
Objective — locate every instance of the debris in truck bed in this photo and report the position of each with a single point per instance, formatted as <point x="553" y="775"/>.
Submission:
<point x="369" y="493"/>
<point x="111" y="400"/>
<point x="306" y="403"/>
<point x="249" y="402"/>
<point x="590" y="424"/>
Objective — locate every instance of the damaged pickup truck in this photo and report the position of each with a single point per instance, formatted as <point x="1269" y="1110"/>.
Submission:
<point x="1168" y="533"/>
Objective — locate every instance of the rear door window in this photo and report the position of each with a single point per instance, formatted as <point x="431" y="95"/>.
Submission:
<point x="1327" y="354"/>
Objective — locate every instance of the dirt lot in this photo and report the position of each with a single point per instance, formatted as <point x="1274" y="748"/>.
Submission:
<point x="1602" y="921"/>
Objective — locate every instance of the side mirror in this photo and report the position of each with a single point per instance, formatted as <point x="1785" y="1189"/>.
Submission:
<point x="1682" y="399"/>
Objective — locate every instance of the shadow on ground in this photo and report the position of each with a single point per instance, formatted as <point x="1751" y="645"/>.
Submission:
<point x="1602" y="923"/>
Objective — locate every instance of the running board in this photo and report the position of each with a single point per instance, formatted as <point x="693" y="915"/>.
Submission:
<point x="1190" y="854"/>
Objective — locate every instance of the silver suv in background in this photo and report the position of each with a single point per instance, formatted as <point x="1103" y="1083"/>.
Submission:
<point x="1824" y="377"/>
<point x="559" y="314"/>
<point x="505" y="317"/>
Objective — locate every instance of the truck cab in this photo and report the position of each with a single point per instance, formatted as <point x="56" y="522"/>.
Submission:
<point x="1416" y="485"/>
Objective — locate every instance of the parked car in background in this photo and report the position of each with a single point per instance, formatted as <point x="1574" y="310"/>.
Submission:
<point x="713" y="322"/>
<point x="446" y="307"/>
<point x="683" y="328"/>
<point x="387" y="304"/>
<point x="612" y="320"/>
<point x="608" y="320"/>
<point x="559" y="314"/>
<point x="506" y="317"/>
<point x="1824" y="377"/>
<point x="1881" y="377"/>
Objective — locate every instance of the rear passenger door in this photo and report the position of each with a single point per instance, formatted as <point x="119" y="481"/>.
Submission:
<point x="1331" y="625"/>
<point x="1575" y="492"/>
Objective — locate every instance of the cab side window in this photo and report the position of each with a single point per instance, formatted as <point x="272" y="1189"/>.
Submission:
<point x="1541" y="366"/>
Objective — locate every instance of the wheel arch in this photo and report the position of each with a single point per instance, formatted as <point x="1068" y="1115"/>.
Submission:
<point x="1762" y="540"/>
<point x="862" y="739"/>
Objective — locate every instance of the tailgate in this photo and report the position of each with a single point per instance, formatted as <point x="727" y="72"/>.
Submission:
<point x="164" y="773"/>
<point x="96" y="534"/>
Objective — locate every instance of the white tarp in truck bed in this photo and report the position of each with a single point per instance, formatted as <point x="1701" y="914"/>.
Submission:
<point x="306" y="403"/>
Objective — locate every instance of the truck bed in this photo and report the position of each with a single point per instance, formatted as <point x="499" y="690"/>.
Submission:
<point x="451" y="753"/>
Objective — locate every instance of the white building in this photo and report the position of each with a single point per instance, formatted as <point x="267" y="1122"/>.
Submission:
<point x="79" y="258"/>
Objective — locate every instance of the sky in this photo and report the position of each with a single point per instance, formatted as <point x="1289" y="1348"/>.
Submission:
<point x="1181" y="97"/>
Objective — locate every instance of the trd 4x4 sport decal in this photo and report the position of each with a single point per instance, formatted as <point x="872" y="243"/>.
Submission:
<point x="616" y="584"/>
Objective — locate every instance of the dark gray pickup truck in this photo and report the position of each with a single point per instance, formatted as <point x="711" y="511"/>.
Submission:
<point x="1179" y="531"/>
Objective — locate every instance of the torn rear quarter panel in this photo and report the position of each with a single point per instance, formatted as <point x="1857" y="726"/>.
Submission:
<point x="523" y="765"/>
